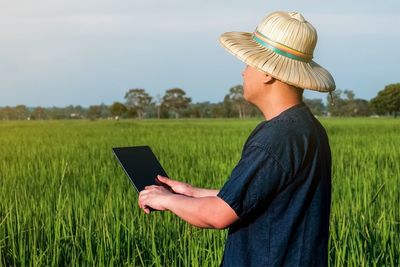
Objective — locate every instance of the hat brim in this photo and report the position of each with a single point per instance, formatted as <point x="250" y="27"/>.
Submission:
<point x="297" y="73"/>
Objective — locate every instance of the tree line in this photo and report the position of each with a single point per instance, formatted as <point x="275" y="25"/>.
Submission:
<point x="176" y="104"/>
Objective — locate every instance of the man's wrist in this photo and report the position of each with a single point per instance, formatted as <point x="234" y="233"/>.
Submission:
<point x="169" y="201"/>
<point x="202" y="192"/>
<point x="192" y="192"/>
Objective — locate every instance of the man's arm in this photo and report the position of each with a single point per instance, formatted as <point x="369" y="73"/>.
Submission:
<point x="204" y="212"/>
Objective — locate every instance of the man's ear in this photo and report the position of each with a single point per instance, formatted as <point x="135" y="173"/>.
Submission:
<point x="268" y="79"/>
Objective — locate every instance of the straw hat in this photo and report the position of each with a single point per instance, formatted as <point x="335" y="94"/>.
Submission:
<point x="282" y="46"/>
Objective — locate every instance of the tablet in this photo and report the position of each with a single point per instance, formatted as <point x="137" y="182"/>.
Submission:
<point x="141" y="166"/>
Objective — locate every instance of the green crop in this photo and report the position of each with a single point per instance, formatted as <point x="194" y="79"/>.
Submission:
<point x="64" y="199"/>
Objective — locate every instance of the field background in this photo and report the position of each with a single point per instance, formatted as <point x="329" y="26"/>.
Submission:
<point x="64" y="200"/>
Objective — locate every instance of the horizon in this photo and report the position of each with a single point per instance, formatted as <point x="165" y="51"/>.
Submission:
<point x="324" y="102"/>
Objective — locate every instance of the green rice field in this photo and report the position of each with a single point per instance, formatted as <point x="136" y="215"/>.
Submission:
<point x="65" y="201"/>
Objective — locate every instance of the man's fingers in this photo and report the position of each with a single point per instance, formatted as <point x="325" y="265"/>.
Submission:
<point x="165" y="180"/>
<point x="150" y="187"/>
<point x="141" y="201"/>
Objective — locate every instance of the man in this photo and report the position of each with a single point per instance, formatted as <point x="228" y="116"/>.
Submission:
<point x="276" y="202"/>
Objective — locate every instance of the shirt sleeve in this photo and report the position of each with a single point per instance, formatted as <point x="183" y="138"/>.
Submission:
<point x="254" y="180"/>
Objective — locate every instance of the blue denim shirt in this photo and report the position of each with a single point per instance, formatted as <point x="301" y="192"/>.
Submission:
<point x="281" y="191"/>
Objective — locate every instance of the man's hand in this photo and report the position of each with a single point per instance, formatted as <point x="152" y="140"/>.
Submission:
<point x="186" y="189"/>
<point x="153" y="197"/>
<point x="177" y="187"/>
<point x="197" y="206"/>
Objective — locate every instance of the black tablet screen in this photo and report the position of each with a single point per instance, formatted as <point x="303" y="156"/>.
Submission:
<point x="140" y="164"/>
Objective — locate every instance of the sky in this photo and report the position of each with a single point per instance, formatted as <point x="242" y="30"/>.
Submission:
<point x="59" y="53"/>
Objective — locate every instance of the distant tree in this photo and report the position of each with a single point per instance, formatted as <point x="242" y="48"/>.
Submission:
<point x="39" y="113"/>
<point x="335" y="103"/>
<point x="236" y="97"/>
<point x="7" y="113"/>
<point x="387" y="101"/>
<point x="360" y="107"/>
<point x="175" y="100"/>
<point x="316" y="106"/>
<point x="195" y="112"/>
<point x="137" y="100"/>
<point x="94" y="112"/>
<point x="104" y="111"/>
<point x="163" y="112"/>
<point x="234" y="104"/>
<point x="200" y="110"/>
<point x="252" y="110"/>
<point x="118" y="109"/>
<point x="228" y="108"/>
<point x="157" y="104"/>
<point x="355" y="106"/>
<point x="56" y="113"/>
<point x="344" y="103"/>
<point x="74" y="112"/>
<point x="217" y="110"/>
<point x="349" y="94"/>
<point x="22" y="112"/>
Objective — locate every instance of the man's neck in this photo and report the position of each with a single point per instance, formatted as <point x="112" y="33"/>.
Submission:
<point x="277" y="100"/>
<point x="274" y="110"/>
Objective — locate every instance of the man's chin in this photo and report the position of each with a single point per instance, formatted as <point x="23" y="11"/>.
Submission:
<point x="245" y="96"/>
